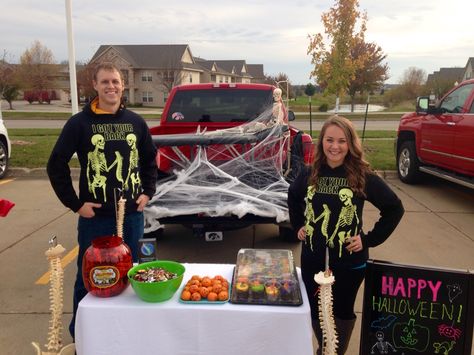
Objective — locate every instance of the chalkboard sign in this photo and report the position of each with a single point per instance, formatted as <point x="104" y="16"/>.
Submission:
<point x="413" y="310"/>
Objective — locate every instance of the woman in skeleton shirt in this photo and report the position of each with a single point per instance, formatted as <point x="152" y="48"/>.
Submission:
<point x="325" y="204"/>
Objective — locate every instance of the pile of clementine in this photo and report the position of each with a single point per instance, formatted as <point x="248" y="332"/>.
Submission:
<point x="206" y="288"/>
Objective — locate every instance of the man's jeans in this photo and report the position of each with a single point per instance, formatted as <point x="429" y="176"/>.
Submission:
<point x="99" y="226"/>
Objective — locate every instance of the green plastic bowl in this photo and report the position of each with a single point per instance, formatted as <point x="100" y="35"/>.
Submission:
<point x="157" y="291"/>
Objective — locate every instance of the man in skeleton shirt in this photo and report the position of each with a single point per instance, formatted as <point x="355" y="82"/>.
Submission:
<point x="116" y="156"/>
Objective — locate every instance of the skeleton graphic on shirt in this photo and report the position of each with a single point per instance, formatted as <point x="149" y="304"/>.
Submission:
<point x="132" y="174"/>
<point x="97" y="164"/>
<point x="347" y="219"/>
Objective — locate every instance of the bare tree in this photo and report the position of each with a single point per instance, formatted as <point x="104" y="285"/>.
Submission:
<point x="280" y="80"/>
<point x="84" y="80"/>
<point x="37" y="68"/>
<point x="8" y="81"/>
<point x="412" y="81"/>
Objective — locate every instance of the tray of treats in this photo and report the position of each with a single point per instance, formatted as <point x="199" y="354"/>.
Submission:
<point x="205" y="289"/>
<point x="265" y="276"/>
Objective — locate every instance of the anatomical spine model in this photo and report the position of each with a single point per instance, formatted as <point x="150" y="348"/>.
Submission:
<point x="326" y="319"/>
<point x="54" y="344"/>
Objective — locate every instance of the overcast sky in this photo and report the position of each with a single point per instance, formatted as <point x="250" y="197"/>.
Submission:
<point x="428" y="34"/>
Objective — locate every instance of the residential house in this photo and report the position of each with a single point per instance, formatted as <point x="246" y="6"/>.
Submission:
<point x="150" y="71"/>
<point x="451" y="75"/>
<point x="469" y="69"/>
<point x="256" y="72"/>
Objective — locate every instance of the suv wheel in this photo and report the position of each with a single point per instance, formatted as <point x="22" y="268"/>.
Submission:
<point x="3" y="160"/>
<point x="408" y="163"/>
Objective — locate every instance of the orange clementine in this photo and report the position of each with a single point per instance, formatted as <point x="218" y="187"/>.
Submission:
<point x="223" y="296"/>
<point x="203" y="291"/>
<point x="212" y="296"/>
<point x="196" y="296"/>
<point x="194" y="282"/>
<point x="216" y="288"/>
<point x="206" y="281"/>
<point x="193" y="288"/>
<point x="185" y="295"/>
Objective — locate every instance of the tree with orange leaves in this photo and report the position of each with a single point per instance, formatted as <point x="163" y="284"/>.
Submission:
<point x="331" y="54"/>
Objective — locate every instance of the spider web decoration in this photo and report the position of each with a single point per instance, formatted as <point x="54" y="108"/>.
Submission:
<point x="236" y="171"/>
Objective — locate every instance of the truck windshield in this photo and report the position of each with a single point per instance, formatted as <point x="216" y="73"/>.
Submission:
<point x="217" y="105"/>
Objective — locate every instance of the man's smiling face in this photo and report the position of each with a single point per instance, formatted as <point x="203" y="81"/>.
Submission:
<point x="109" y="87"/>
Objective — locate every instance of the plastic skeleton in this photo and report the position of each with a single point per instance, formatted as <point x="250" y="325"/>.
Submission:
<point x="98" y="163"/>
<point x="120" y="213"/>
<point x="346" y="216"/>
<point x="325" y="280"/>
<point x="54" y="344"/>
<point x="277" y="110"/>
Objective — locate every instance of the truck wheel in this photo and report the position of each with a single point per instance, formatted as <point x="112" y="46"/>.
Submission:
<point x="288" y="234"/>
<point x="408" y="163"/>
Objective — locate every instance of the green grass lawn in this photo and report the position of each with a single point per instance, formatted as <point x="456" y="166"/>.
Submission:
<point x="31" y="148"/>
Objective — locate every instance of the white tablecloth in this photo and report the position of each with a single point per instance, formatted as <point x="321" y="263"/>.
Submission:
<point x="126" y="325"/>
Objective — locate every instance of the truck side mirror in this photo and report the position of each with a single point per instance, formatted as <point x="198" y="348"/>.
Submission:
<point x="422" y="104"/>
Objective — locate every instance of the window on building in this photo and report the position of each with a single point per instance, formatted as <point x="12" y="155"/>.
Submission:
<point x="146" y="76"/>
<point x="190" y="77"/>
<point x="147" y="96"/>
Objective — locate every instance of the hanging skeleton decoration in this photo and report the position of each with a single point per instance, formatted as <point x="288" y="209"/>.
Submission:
<point x="325" y="280"/>
<point x="54" y="344"/>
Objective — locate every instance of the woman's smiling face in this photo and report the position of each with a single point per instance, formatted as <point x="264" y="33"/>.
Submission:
<point x="335" y="146"/>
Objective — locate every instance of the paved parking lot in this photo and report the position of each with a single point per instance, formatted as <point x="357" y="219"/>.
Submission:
<point x="437" y="230"/>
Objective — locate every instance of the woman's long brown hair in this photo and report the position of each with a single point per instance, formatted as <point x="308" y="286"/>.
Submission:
<point x="355" y="164"/>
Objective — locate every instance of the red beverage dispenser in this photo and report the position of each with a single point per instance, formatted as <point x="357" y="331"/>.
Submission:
<point x="106" y="262"/>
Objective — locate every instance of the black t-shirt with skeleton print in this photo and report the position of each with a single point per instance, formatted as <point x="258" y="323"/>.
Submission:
<point x="115" y="151"/>
<point x="332" y="213"/>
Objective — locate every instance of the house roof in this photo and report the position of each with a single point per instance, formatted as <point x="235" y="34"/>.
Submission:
<point x="237" y="67"/>
<point x="447" y="74"/>
<point x="211" y="66"/>
<point x="256" y="70"/>
<point x="151" y="56"/>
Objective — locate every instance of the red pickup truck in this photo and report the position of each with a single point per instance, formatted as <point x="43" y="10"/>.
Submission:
<point x="224" y="158"/>
<point x="438" y="138"/>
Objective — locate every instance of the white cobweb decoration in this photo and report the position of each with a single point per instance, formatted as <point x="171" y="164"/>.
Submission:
<point x="230" y="179"/>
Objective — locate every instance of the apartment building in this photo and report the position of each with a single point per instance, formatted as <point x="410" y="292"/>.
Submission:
<point x="150" y="71"/>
